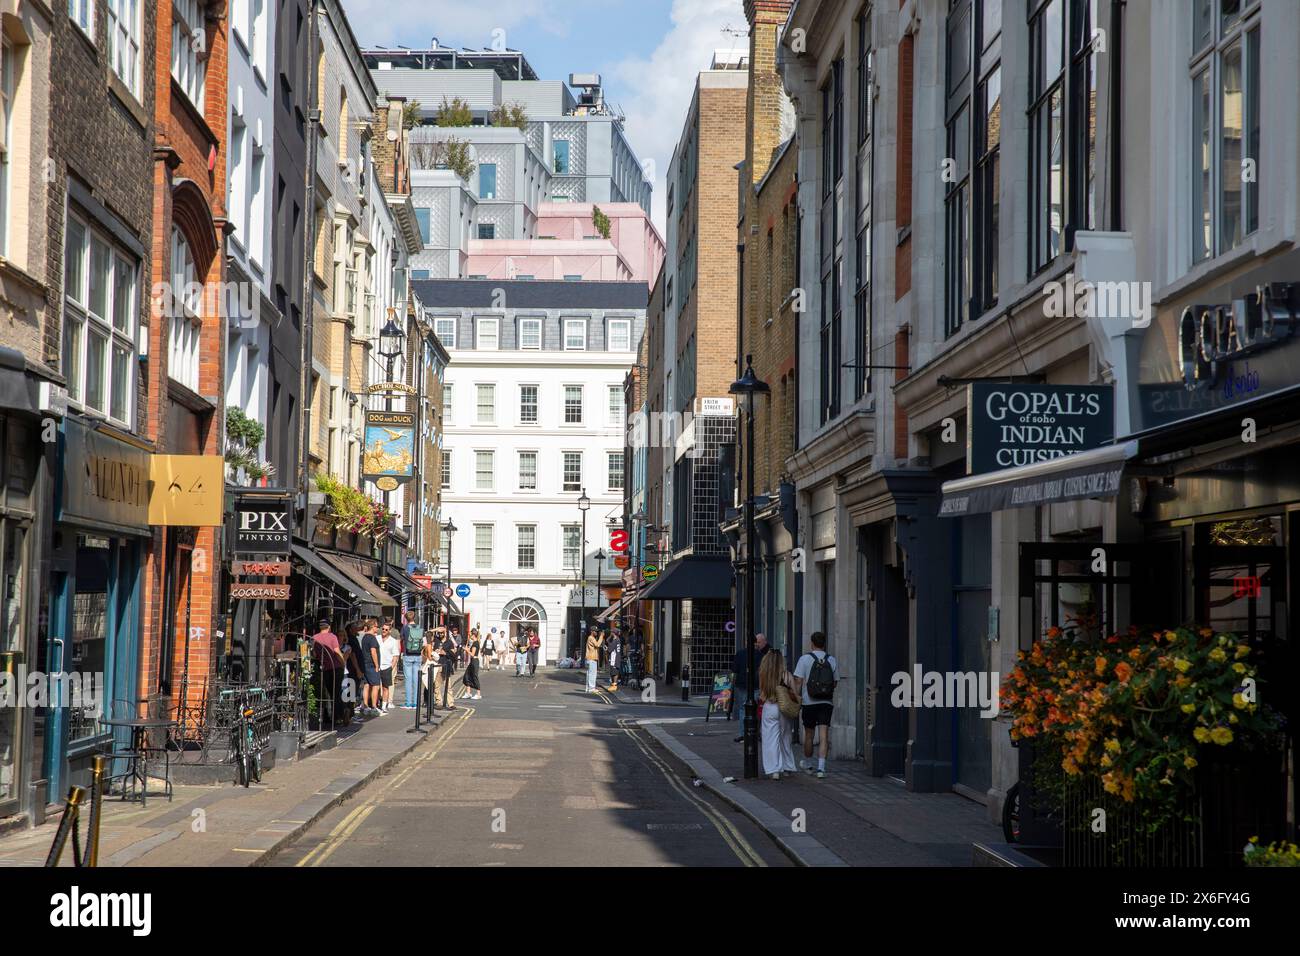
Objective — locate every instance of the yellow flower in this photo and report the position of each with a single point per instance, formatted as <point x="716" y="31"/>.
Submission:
<point x="1232" y="718"/>
<point x="1239" y="668"/>
<point x="1205" y="632"/>
<point x="1183" y="665"/>
<point x="1101" y="666"/>
<point x="1242" y="650"/>
<point x="1188" y="708"/>
<point x="1105" y="760"/>
<point x="1238" y="701"/>
<point x="1189" y="762"/>
<point x="1112" y="746"/>
<point x="1217" y="655"/>
<point x="1201" y="735"/>
<point x="1221" y="736"/>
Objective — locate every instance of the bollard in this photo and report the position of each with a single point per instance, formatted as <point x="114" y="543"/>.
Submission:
<point x="97" y="776"/>
<point x="67" y="825"/>
<point x="686" y="684"/>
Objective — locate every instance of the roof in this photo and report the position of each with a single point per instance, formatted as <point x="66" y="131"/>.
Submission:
<point x="531" y="293"/>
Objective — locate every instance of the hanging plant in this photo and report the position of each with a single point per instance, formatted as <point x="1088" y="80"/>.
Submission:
<point x="352" y="511"/>
<point x="243" y="437"/>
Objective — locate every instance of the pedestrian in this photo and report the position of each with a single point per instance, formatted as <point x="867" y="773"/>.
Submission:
<point x="740" y="668"/>
<point x="595" y="640"/>
<point x="446" y="669"/>
<point x="370" y="662"/>
<point x="330" y="665"/>
<point x="615" y="650"/>
<point x="780" y="708"/>
<point x="355" y="682"/>
<point x="520" y="647"/>
<point x="389" y="650"/>
<point x="815" y="677"/>
<point x="534" y="648"/>
<point x="412" y="644"/>
<point x="502" y="645"/>
<point x="490" y="648"/>
<point x="472" y="690"/>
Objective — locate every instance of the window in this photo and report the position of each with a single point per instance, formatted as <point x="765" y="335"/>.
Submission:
<point x="561" y="150"/>
<point x="488" y="337"/>
<point x="615" y="469"/>
<point x="526" y="550"/>
<point x="484" y="470"/>
<point x="417" y="274"/>
<point x="487" y="182"/>
<point x="99" y="322"/>
<point x="571" y="534"/>
<point x="528" y="471"/>
<point x="832" y="241"/>
<point x="185" y="303"/>
<point x="445" y="328"/>
<point x="8" y="67"/>
<point x="422" y="220"/>
<point x="189" y="48"/>
<point x="528" y="404"/>
<point x="446" y="468"/>
<point x="448" y="391"/>
<point x="575" y="334"/>
<point x="573" y="404"/>
<point x="486" y="230"/>
<point x="124" y="41"/>
<point x="530" y="333"/>
<point x="616" y="408"/>
<point x="483" y="546"/>
<point x="83" y="15"/>
<point x="620" y="335"/>
<point x="487" y="405"/>
<point x="572" y="474"/>
<point x="1062" y="126"/>
<point x="1226" y="128"/>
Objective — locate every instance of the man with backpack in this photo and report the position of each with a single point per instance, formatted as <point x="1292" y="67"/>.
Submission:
<point x="412" y="654"/>
<point x="814" y="677"/>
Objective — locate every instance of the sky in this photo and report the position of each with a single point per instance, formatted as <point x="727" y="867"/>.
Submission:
<point x="648" y="52"/>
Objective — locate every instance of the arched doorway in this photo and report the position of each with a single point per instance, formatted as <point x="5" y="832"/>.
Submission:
<point x="525" y="613"/>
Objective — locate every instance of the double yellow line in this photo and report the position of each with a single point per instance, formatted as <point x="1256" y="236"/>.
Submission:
<point x="730" y="835"/>
<point x="349" y="824"/>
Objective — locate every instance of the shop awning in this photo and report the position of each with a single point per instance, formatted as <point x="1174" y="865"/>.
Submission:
<point x="692" y="578"/>
<point x="617" y="607"/>
<point x="326" y="571"/>
<point x="1095" y="473"/>
<point x="399" y="582"/>
<point x="363" y="585"/>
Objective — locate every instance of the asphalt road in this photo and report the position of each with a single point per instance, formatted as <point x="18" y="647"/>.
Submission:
<point x="537" y="773"/>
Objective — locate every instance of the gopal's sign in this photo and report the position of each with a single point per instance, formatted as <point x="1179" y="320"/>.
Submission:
<point x="1010" y="425"/>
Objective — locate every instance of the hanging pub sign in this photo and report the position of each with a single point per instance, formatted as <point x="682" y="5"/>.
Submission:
<point x="262" y="524"/>
<point x="1008" y="425"/>
<point x="388" y="455"/>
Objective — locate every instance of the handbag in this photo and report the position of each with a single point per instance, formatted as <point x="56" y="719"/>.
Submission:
<point x="786" y="702"/>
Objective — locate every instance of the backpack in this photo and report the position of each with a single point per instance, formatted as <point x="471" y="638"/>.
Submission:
<point x="821" y="678"/>
<point x="414" y="639"/>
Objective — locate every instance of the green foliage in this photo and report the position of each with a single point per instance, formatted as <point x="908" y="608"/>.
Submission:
<point x="509" y="114"/>
<point x="450" y="153"/>
<point x="600" y="221"/>
<point x="455" y="112"/>
<point x="243" y="436"/>
<point x="351" y="510"/>
<point x="1275" y="854"/>
<point x="411" y="114"/>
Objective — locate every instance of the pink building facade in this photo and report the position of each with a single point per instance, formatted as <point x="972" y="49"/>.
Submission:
<point x="568" y="246"/>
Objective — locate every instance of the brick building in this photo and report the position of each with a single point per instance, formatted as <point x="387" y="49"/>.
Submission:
<point x="696" y="419"/>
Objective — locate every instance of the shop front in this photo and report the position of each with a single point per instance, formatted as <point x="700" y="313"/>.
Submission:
<point x="101" y="538"/>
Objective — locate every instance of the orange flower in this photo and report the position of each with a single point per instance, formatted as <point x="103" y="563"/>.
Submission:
<point x="1123" y="671"/>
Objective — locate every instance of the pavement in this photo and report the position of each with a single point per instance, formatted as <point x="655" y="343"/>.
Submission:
<point x="847" y="818"/>
<point x="229" y="825"/>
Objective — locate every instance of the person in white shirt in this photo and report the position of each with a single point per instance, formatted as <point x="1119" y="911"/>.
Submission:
<point x="389" y="649"/>
<point x="815" y="677"/>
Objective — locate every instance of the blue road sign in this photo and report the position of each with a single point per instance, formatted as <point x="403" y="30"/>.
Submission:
<point x="462" y="590"/>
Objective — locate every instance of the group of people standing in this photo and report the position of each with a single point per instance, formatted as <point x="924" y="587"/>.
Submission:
<point x="806" y="694"/>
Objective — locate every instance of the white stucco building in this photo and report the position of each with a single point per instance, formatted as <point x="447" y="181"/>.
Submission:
<point x="533" y="417"/>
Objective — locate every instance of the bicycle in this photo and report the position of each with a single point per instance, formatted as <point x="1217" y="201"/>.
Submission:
<point x="244" y="746"/>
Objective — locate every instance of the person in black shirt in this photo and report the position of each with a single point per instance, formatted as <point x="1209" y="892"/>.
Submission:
<point x="740" y="687"/>
<point x="446" y="668"/>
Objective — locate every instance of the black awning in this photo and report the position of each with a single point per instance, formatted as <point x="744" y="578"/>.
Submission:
<point x="1096" y="473"/>
<point x="326" y="571"/>
<point x="373" y="593"/>
<point x="692" y="578"/>
<point x="400" y="583"/>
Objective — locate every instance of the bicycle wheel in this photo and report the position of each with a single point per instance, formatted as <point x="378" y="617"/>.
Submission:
<point x="1011" y="815"/>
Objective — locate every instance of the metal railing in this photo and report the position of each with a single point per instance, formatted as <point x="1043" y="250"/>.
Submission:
<point x="69" y="825"/>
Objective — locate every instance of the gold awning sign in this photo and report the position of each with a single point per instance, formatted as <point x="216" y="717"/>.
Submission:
<point x="187" y="490"/>
<point x="390" y="387"/>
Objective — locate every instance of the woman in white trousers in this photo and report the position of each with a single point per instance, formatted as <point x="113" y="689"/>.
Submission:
<point x="775" y="728"/>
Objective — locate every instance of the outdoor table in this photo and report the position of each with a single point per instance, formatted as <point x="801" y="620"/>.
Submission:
<point x="138" y="754"/>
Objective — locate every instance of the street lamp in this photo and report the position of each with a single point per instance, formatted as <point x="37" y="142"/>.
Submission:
<point x="749" y="385"/>
<point x="584" y="505"/>
<point x="639" y="518"/>
<point x="449" y="529"/>
<point x="600" y="557"/>
<point x="391" y="341"/>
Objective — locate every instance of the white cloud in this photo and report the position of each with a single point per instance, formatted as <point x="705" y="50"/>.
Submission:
<point x="391" y="22"/>
<point x="661" y="85"/>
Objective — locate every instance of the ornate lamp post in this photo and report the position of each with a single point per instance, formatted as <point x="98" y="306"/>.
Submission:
<point x="392" y="340"/>
<point x="749" y="385"/>
<point x="449" y="529"/>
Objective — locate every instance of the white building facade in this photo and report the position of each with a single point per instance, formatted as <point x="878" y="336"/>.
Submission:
<point x="533" y="414"/>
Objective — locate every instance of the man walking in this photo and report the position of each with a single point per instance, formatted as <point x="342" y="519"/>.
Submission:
<point x="370" y="668"/>
<point x="815" y="677"/>
<point x="595" y="640"/>
<point x="389" y="649"/>
<point x="412" y="648"/>
<point x="519" y="644"/>
<point x="534" y="647"/>
<point x="447" y="667"/>
<point x="326" y="643"/>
